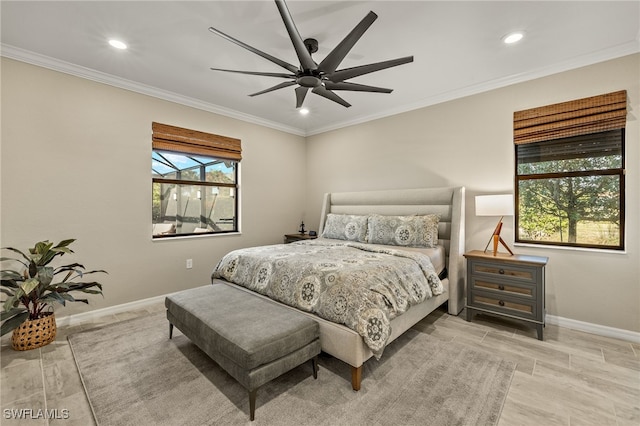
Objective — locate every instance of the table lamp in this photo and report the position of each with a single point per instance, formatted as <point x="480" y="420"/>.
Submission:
<point x="495" y="205"/>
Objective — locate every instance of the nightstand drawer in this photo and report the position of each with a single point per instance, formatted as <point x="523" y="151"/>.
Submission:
<point x="523" y="273"/>
<point x="512" y="306"/>
<point x="503" y="287"/>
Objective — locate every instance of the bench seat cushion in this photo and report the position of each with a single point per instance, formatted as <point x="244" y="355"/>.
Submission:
<point x="247" y="330"/>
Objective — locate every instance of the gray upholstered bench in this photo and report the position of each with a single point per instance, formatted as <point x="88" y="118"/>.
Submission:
<point x="252" y="339"/>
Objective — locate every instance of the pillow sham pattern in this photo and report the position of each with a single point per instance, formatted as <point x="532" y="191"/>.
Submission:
<point x="408" y="231"/>
<point x="346" y="227"/>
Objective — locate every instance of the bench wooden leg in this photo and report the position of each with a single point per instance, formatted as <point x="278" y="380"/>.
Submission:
<point x="356" y="377"/>
<point x="170" y="330"/>
<point x="314" y="363"/>
<point x="252" y="404"/>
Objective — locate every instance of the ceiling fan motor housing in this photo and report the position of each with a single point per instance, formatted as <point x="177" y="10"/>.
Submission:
<point x="309" y="78"/>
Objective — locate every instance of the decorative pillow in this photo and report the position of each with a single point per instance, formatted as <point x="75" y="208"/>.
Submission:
<point x="346" y="227"/>
<point x="408" y="231"/>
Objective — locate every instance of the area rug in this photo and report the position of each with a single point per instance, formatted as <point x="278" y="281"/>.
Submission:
<point x="134" y="375"/>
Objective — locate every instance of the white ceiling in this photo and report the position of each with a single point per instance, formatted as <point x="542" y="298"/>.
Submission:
<point x="456" y="45"/>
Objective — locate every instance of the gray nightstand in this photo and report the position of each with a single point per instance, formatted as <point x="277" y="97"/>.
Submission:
<point x="290" y="238"/>
<point x="508" y="286"/>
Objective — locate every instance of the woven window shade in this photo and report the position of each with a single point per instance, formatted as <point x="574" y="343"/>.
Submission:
<point x="177" y="139"/>
<point x="602" y="144"/>
<point x="573" y="118"/>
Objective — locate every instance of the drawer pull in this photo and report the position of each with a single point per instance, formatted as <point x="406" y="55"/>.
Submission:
<point x="500" y="287"/>
<point x="501" y="271"/>
<point x="501" y="302"/>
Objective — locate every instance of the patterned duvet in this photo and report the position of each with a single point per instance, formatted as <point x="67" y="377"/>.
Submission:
<point x="359" y="285"/>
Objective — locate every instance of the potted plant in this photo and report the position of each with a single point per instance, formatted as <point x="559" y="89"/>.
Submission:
<point x="31" y="291"/>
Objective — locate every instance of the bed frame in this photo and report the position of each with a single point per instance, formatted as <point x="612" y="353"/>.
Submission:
<point x="448" y="202"/>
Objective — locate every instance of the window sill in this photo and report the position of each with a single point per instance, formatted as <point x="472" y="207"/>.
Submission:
<point x="584" y="249"/>
<point x="193" y="236"/>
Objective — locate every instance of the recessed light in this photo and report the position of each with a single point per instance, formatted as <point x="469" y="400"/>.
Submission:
<point x="513" y="37"/>
<point x="304" y="111"/>
<point x="117" y="44"/>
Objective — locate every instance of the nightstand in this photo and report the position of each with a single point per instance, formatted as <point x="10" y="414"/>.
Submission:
<point x="290" y="238"/>
<point x="506" y="285"/>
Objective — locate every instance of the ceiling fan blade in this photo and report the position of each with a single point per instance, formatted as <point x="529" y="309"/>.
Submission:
<point x="276" y="87"/>
<point x="330" y="95"/>
<point x="348" y="73"/>
<point x="264" y="74"/>
<point x="301" y="92"/>
<point x="355" y="87"/>
<point x="333" y="59"/>
<point x="304" y="56"/>
<point x="268" y="57"/>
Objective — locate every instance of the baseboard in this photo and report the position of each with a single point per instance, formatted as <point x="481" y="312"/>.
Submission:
<point x="587" y="327"/>
<point x="76" y="319"/>
<point x="600" y="330"/>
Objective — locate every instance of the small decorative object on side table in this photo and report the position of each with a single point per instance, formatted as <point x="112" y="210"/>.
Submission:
<point x="290" y="238"/>
<point x="507" y="285"/>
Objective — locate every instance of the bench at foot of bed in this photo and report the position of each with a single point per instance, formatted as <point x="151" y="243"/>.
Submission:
<point x="252" y="339"/>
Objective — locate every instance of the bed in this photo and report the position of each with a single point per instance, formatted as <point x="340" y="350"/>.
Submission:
<point x="447" y="203"/>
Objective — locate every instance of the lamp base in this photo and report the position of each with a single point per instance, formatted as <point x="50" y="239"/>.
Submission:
<point x="496" y="238"/>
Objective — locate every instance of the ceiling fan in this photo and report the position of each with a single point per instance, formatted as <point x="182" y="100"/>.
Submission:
<point x="323" y="78"/>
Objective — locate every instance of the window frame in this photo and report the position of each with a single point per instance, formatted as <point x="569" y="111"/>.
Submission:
<point x="195" y="146"/>
<point x="620" y="172"/>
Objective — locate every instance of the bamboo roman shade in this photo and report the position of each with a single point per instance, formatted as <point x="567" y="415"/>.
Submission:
<point x="579" y="117"/>
<point x="172" y="138"/>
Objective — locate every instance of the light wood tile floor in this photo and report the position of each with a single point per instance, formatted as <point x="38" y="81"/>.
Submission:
<point x="571" y="378"/>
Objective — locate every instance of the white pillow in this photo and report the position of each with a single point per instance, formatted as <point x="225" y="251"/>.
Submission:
<point x="408" y="231"/>
<point x="346" y="227"/>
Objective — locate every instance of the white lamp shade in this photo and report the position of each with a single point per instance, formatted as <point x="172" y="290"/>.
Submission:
<point x="494" y="205"/>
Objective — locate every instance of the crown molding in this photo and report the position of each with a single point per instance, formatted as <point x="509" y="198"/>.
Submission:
<point x="619" y="51"/>
<point x="12" y="52"/>
<point x="54" y="64"/>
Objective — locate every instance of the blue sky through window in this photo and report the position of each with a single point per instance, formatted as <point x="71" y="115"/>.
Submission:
<point x="164" y="163"/>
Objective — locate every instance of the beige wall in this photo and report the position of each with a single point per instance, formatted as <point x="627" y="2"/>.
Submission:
<point x="76" y="159"/>
<point x="469" y="142"/>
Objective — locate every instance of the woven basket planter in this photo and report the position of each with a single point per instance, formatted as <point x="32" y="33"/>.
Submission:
<point x="33" y="334"/>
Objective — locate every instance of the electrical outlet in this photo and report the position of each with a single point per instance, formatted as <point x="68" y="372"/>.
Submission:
<point x="189" y="263"/>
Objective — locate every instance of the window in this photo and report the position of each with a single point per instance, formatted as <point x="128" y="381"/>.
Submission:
<point x="194" y="182"/>
<point x="569" y="177"/>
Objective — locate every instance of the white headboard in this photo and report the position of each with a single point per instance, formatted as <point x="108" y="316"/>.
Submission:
<point x="448" y="202"/>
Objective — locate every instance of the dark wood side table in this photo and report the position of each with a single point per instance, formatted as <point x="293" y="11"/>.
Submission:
<point x="290" y="238"/>
<point x="507" y="285"/>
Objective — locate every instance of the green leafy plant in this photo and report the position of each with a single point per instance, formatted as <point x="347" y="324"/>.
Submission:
<point x="32" y="290"/>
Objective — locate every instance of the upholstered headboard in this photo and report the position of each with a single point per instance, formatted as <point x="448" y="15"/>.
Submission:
<point x="448" y="202"/>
